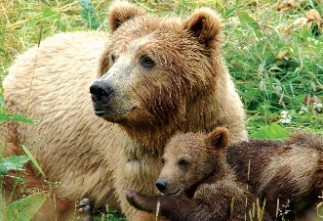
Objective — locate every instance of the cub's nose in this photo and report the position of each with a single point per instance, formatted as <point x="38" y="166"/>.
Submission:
<point x="102" y="92"/>
<point x="161" y="184"/>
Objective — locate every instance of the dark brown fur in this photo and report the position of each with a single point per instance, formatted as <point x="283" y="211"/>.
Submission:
<point x="296" y="165"/>
<point x="204" y="186"/>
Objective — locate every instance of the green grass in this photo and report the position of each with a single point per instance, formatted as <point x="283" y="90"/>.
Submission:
<point x="276" y="65"/>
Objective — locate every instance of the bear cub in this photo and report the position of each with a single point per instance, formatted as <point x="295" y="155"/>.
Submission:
<point x="197" y="183"/>
<point x="287" y="174"/>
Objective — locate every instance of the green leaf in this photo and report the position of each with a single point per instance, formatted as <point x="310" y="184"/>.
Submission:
<point x="12" y="163"/>
<point x="32" y="159"/>
<point x="248" y="22"/>
<point x="49" y="12"/>
<point x="2" y="104"/>
<point x="114" y="215"/>
<point x="88" y="14"/>
<point x="17" y="117"/>
<point x="273" y="131"/>
<point x="26" y="208"/>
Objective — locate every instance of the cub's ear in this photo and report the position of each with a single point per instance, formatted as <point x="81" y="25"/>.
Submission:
<point x="218" y="138"/>
<point x="122" y="11"/>
<point x="178" y="132"/>
<point x="205" y="25"/>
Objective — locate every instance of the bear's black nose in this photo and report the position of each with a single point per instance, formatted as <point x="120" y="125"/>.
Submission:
<point x="161" y="184"/>
<point x="101" y="92"/>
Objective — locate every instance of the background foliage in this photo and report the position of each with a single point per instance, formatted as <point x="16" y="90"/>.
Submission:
<point x="274" y="51"/>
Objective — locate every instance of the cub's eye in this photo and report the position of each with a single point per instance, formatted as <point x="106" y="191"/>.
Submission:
<point x="162" y="161"/>
<point x="147" y="62"/>
<point x="112" y="57"/>
<point x="183" y="163"/>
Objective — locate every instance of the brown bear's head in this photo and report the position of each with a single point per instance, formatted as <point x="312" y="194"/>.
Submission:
<point x="190" y="159"/>
<point x="154" y="69"/>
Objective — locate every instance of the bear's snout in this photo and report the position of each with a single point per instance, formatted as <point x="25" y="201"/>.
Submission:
<point x="161" y="184"/>
<point x="101" y="94"/>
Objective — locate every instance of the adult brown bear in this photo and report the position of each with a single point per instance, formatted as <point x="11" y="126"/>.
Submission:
<point x="156" y="75"/>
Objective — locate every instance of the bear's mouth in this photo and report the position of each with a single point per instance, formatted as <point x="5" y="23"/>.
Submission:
<point x="100" y="109"/>
<point x="99" y="112"/>
<point x="173" y="193"/>
<point x="109" y="113"/>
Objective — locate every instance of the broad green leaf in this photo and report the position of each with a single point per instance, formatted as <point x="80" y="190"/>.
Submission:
<point x="26" y="208"/>
<point x="49" y="12"/>
<point x="32" y="159"/>
<point x="12" y="163"/>
<point x="17" y="117"/>
<point x="88" y="14"/>
<point x="273" y="131"/>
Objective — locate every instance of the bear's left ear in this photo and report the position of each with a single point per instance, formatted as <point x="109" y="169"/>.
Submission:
<point x="205" y="25"/>
<point x="177" y="133"/>
<point x="218" y="138"/>
<point x="122" y="11"/>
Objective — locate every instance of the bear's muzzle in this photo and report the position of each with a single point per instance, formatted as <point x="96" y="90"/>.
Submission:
<point x="101" y="94"/>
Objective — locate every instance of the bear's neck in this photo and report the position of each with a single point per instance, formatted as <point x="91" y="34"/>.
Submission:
<point x="146" y="142"/>
<point x="221" y="106"/>
<point x="200" y="116"/>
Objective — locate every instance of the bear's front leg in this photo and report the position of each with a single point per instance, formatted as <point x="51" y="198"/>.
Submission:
<point x="174" y="208"/>
<point x="142" y="202"/>
<point x="144" y="216"/>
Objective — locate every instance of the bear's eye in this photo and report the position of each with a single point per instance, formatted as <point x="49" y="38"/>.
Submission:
<point x="183" y="163"/>
<point x="162" y="161"/>
<point x="147" y="62"/>
<point x="112" y="57"/>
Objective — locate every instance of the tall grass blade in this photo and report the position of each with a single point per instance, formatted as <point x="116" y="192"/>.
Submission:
<point x="32" y="159"/>
<point x="19" y="118"/>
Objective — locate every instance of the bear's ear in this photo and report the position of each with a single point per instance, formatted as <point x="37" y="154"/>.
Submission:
<point x="205" y="25"/>
<point x="218" y="138"/>
<point x="178" y="132"/>
<point x="122" y="11"/>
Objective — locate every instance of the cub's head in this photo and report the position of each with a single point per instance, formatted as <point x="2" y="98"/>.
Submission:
<point x="154" y="69"/>
<point x="191" y="158"/>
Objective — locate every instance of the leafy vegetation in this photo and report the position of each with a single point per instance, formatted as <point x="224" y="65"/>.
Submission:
<point x="12" y="163"/>
<point x="274" y="51"/>
<point x="25" y="208"/>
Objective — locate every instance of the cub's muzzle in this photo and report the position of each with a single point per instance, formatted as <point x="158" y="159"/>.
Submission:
<point x="161" y="184"/>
